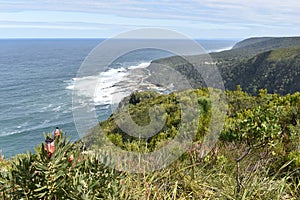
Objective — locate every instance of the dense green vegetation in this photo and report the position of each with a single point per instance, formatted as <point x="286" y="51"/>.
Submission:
<point x="35" y="176"/>
<point x="258" y="63"/>
<point x="267" y="43"/>
<point x="253" y="46"/>
<point x="257" y="156"/>
<point x="277" y="71"/>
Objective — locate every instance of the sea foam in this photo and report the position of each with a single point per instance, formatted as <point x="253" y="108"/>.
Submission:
<point x="112" y="85"/>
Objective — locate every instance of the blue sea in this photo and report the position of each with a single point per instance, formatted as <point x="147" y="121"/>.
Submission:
<point x="37" y="81"/>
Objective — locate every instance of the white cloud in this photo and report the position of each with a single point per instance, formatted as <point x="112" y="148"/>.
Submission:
<point x="187" y="14"/>
<point x="211" y="10"/>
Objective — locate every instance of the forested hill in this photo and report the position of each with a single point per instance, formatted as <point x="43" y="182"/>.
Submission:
<point x="277" y="70"/>
<point x="253" y="46"/>
<point x="268" y="43"/>
<point x="251" y="41"/>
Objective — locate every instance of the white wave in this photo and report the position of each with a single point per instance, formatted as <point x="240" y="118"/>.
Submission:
<point x="85" y="78"/>
<point x="10" y="133"/>
<point x="44" y="124"/>
<point x="70" y="87"/>
<point x="57" y="109"/>
<point x="142" y="65"/>
<point x="220" y="50"/>
<point x="78" y="81"/>
<point x="66" y="111"/>
<point x="22" y="129"/>
<point x="45" y="108"/>
<point x="111" y="85"/>
<point x="24" y="124"/>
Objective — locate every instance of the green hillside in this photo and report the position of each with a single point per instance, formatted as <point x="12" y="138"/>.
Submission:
<point x="276" y="70"/>
<point x="267" y="43"/>
<point x="250" y="41"/>
<point x="258" y="148"/>
<point x="253" y="46"/>
<point x="256" y="157"/>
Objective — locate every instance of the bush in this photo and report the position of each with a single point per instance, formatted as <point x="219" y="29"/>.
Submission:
<point x="35" y="176"/>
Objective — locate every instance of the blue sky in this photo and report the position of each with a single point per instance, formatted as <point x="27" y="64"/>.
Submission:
<point x="205" y="19"/>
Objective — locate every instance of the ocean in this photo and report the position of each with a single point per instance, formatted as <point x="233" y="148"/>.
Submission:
<point x="37" y="81"/>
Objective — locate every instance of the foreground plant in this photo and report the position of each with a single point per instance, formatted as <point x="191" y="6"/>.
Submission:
<point x="36" y="176"/>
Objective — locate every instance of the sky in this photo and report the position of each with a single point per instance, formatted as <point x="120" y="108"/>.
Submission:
<point x="200" y="19"/>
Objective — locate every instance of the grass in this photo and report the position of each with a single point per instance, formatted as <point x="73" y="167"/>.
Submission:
<point x="202" y="181"/>
<point x="213" y="177"/>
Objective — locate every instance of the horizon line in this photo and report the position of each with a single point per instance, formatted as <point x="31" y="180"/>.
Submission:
<point x="105" y="38"/>
<point x="88" y="38"/>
